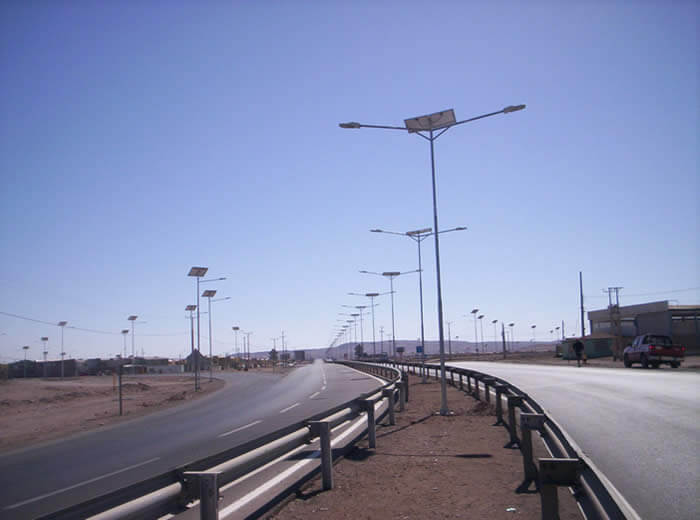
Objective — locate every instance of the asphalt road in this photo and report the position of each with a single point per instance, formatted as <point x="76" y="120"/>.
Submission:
<point x="640" y="427"/>
<point x="41" y="480"/>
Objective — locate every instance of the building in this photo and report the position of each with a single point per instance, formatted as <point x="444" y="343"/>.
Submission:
<point x="680" y="322"/>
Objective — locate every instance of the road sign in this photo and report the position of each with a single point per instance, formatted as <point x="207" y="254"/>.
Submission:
<point x="419" y="349"/>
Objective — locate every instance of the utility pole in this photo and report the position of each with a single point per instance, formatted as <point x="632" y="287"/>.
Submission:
<point x="615" y="320"/>
<point x="580" y="286"/>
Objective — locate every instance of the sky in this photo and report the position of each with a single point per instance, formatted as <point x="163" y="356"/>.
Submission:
<point x="139" y="139"/>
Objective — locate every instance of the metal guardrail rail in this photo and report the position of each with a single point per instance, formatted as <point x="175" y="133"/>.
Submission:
<point x="170" y="492"/>
<point x="596" y="495"/>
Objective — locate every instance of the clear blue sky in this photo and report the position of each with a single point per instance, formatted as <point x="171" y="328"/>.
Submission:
<point x="138" y="139"/>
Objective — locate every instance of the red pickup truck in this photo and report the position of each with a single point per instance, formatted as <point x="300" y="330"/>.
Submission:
<point x="652" y="350"/>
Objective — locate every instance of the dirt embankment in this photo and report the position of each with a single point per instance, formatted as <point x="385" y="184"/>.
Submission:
<point x="36" y="410"/>
<point x="427" y="467"/>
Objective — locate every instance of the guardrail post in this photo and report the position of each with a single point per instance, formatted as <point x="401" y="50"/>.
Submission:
<point x="323" y="430"/>
<point x="461" y="383"/>
<point x="513" y="402"/>
<point x="469" y="383"/>
<point x="402" y="396"/>
<point x="500" y="390"/>
<point x="476" y="388"/>
<point x="553" y="473"/>
<point x="404" y="381"/>
<point x="387" y="392"/>
<point x="371" y="425"/>
<point x="487" y="392"/>
<point x="529" y="422"/>
<point x="208" y="493"/>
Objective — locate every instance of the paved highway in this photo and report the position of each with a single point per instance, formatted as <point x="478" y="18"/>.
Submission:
<point x="640" y="427"/>
<point x="40" y="480"/>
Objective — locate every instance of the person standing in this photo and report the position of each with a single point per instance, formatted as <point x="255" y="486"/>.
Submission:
<point x="578" y="350"/>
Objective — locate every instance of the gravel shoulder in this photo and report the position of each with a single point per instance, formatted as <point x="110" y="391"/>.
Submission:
<point x="428" y="466"/>
<point x="35" y="410"/>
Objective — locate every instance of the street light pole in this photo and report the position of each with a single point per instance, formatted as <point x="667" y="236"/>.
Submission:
<point x="132" y="319"/>
<point x="235" y="333"/>
<point x="441" y="121"/>
<point x="62" y="324"/>
<point x="44" y="339"/>
<point x="481" y="322"/>
<point x="209" y="294"/>
<point x="191" y="309"/>
<point x="391" y="275"/>
<point x="418" y="236"/>
<point x="476" y="336"/>
<point x="25" y="348"/>
<point x="512" y="338"/>
<point x="124" y="333"/>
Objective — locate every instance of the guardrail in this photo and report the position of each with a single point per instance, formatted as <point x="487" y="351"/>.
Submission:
<point x="569" y="466"/>
<point x="171" y="492"/>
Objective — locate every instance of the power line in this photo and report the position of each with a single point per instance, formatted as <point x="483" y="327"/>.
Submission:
<point x="670" y="291"/>
<point x="94" y="331"/>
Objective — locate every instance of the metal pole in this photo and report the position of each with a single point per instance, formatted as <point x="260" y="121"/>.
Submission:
<point x="422" y="328"/>
<point x="393" y="329"/>
<point x="362" y="328"/>
<point x="196" y="357"/>
<point x="133" y="349"/>
<point x="476" y="334"/>
<point x="443" y="385"/>
<point x="120" y="389"/>
<point x="211" y="358"/>
<point x="192" y="338"/>
<point x="374" y="339"/>
<point x="580" y="285"/>
<point x="481" y="321"/>
<point x="62" y="351"/>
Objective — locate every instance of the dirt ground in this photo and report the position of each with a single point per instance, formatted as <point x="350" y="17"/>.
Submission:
<point x="36" y="410"/>
<point x="428" y="466"/>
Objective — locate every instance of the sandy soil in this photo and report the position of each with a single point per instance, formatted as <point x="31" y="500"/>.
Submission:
<point x="36" y="410"/>
<point x="428" y="466"/>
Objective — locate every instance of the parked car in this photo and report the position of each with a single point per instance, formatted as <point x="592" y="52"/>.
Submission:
<point x="652" y="350"/>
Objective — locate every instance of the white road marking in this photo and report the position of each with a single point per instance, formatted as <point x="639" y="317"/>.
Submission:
<point x="241" y="428"/>
<point x="289" y="408"/>
<point x="19" y="504"/>
<point x="314" y="395"/>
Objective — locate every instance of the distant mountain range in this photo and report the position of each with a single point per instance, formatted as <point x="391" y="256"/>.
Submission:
<point x="431" y="348"/>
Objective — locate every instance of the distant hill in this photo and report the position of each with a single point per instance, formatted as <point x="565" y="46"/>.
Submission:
<point x="432" y="348"/>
